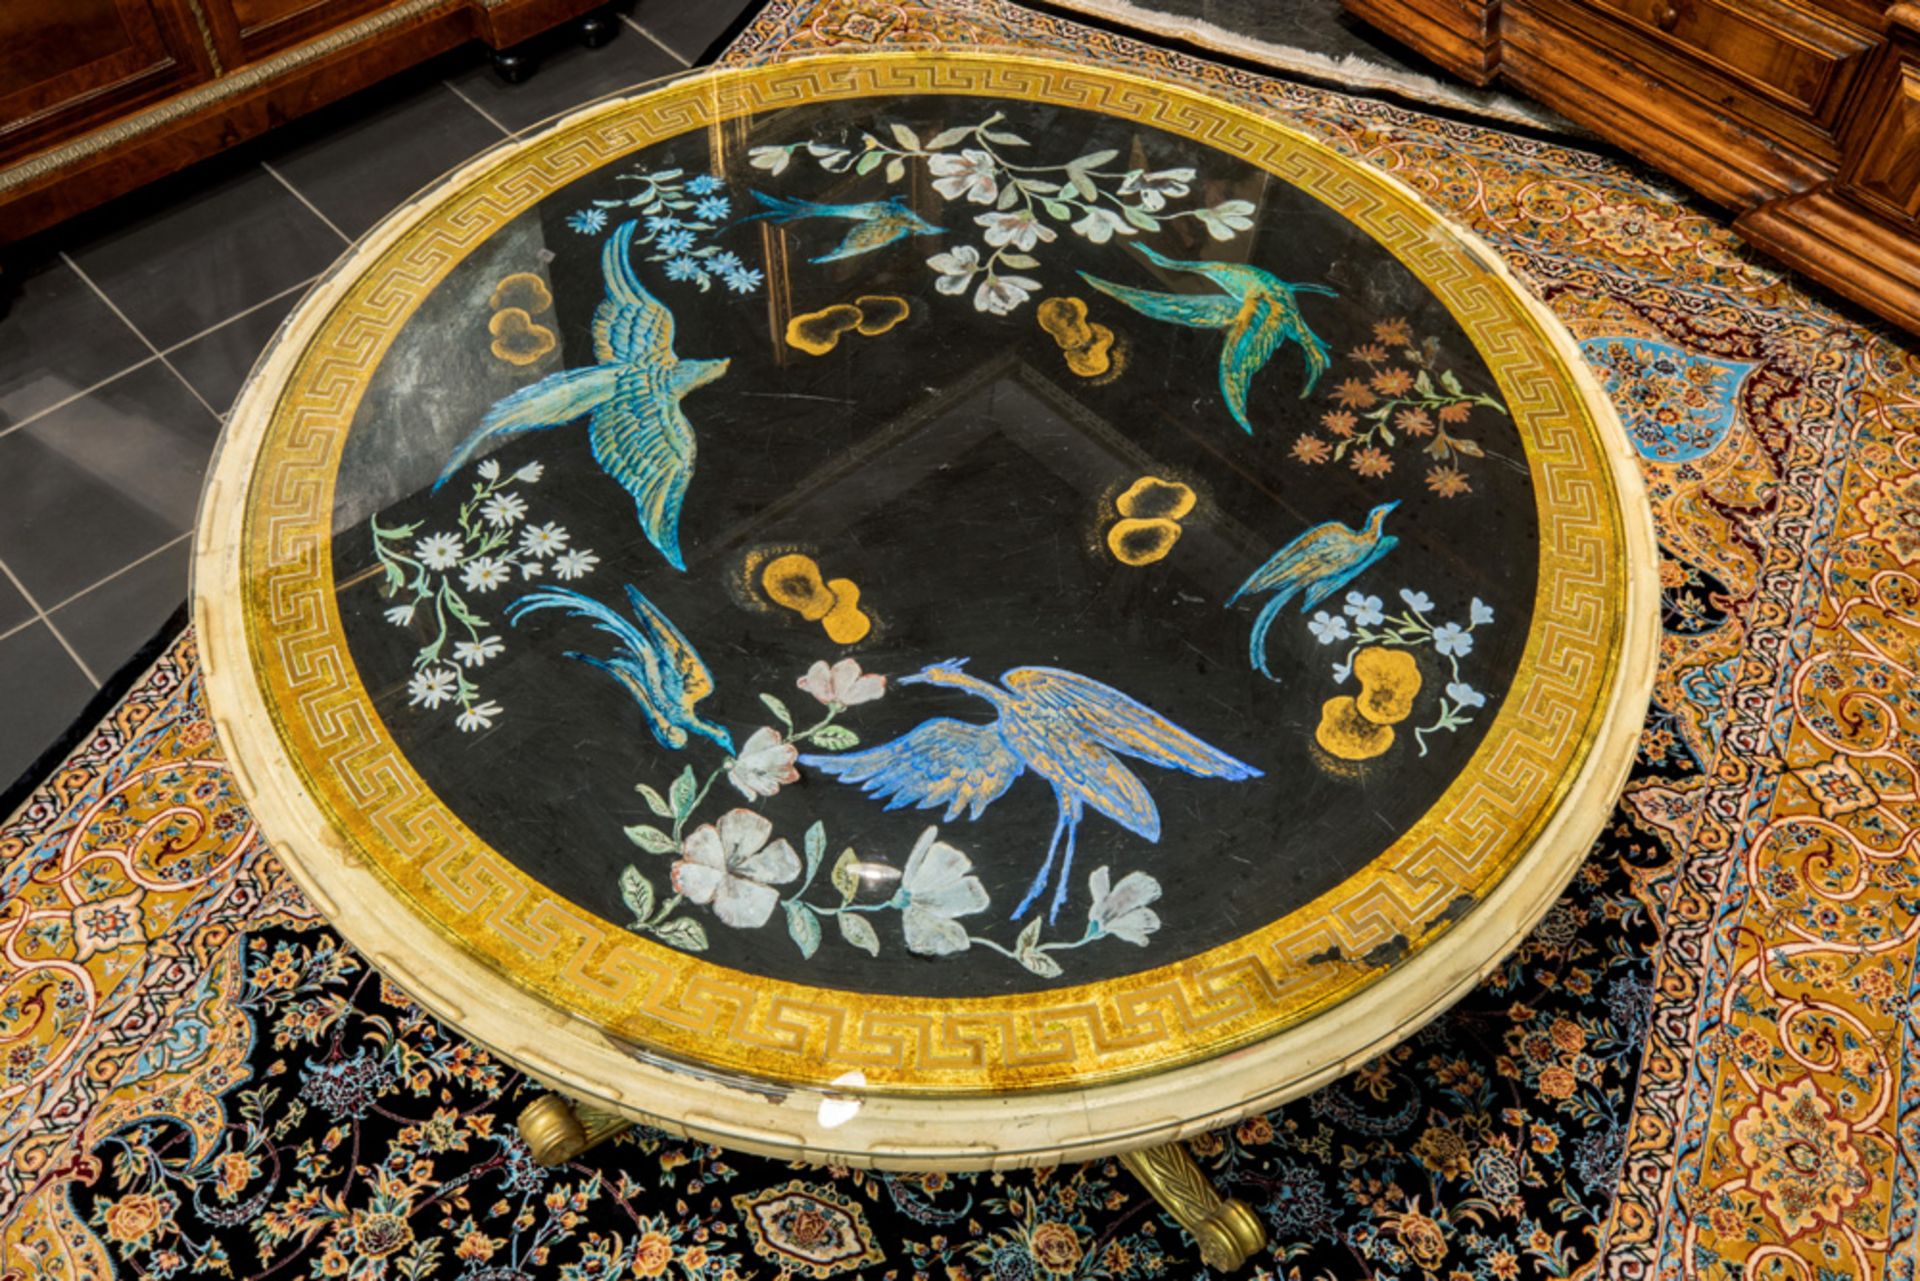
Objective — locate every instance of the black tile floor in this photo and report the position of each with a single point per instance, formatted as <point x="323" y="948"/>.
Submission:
<point x="127" y="333"/>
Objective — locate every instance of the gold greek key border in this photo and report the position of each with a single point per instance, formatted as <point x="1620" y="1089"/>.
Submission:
<point x="384" y="817"/>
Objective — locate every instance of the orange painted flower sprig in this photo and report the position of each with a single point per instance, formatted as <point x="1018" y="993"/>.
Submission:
<point x="1404" y="394"/>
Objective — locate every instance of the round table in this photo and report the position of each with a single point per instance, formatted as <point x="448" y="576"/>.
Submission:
<point x="935" y="611"/>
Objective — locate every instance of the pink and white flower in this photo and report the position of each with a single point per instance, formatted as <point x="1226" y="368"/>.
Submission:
<point x="764" y="764"/>
<point x="730" y="867"/>
<point x="843" y="684"/>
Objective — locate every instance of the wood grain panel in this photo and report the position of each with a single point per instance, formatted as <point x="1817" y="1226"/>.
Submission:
<point x="67" y="61"/>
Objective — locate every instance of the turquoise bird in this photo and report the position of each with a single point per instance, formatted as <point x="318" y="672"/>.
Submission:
<point x="1319" y="563"/>
<point x="877" y="223"/>
<point x="653" y="662"/>
<point x="1068" y="729"/>
<point x="631" y="400"/>
<point x="1258" y="310"/>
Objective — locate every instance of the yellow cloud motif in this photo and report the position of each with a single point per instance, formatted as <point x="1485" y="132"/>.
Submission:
<point x="1358" y="728"/>
<point x="794" y="581"/>
<point x="1088" y="348"/>
<point x="1142" y="542"/>
<point x="818" y="332"/>
<point x="1151" y="509"/>
<point x="518" y="338"/>
<point x="524" y="290"/>
<point x="1150" y="496"/>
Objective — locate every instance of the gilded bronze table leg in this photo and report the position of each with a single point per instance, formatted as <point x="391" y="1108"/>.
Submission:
<point x="558" y="1130"/>
<point x="1227" y="1232"/>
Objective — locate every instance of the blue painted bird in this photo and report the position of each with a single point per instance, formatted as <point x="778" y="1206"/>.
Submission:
<point x="877" y="223"/>
<point x="653" y="661"/>
<point x="631" y="400"/>
<point x="1318" y="563"/>
<point x="1258" y="310"/>
<point x="1065" y="728"/>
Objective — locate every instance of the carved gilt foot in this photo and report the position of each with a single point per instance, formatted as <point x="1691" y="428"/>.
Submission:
<point x="558" y="1130"/>
<point x="1226" y="1230"/>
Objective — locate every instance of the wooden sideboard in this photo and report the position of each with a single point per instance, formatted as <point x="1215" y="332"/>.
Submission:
<point x="100" y="96"/>
<point x="1802" y="116"/>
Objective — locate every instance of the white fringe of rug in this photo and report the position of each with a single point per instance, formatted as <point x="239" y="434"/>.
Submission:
<point x="1351" y="69"/>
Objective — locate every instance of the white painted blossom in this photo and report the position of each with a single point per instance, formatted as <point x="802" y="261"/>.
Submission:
<point x="1227" y="219"/>
<point x="1465" y="694"/>
<point x="1020" y="229"/>
<point x="1328" y="628"/>
<point x="1101" y="225"/>
<point x="936" y="887"/>
<point x="1452" y="640"/>
<point x="999" y="295"/>
<point x="1154" y="189"/>
<point x="532" y="568"/>
<point x="957" y="267"/>
<point x="439" y="551"/>
<point x="503" y="509"/>
<point x="490" y="469"/>
<point x="764" y="764"/>
<point x="1123" y="910"/>
<point x="530" y="473"/>
<point x="574" y="564"/>
<point x="476" y="653"/>
<point x="771" y="159"/>
<point x="730" y="867"/>
<point x="1418" y="602"/>
<point x="1480" y="612"/>
<point x="484" y="573"/>
<point x="432" y="687"/>
<point x="972" y="174"/>
<point x="401" y="615"/>
<point x="478" y="716"/>
<point x="1365" y="610"/>
<point x="543" y="540"/>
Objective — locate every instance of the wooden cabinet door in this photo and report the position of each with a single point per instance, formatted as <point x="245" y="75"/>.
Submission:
<point x="249" y="30"/>
<point x="66" y="65"/>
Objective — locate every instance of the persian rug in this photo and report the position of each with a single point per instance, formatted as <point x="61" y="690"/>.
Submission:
<point x="1702" y="1064"/>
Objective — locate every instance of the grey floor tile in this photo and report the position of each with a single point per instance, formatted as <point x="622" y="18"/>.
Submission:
<point x="207" y="253"/>
<point x="688" y="27"/>
<point x="56" y="338"/>
<point x="14" y="609"/>
<point x="102" y="481"/>
<point x="569" y="75"/>
<point x="217" y="363"/>
<point x="110" y="623"/>
<point x="43" y="690"/>
<point x="362" y="158"/>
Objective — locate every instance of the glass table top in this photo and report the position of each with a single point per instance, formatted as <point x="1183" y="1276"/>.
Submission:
<point x="978" y="572"/>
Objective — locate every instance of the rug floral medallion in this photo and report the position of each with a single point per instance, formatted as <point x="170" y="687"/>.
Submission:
<point x="1696" y="1066"/>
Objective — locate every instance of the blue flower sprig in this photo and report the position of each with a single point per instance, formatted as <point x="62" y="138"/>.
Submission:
<point x="1409" y="629"/>
<point x="679" y="216"/>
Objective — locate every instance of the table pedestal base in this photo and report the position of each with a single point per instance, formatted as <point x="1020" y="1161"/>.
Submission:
<point x="1227" y="1231"/>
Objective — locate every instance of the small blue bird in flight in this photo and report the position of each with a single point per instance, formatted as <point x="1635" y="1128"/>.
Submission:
<point x="1258" y="310"/>
<point x="638" y="433"/>
<point x="877" y="223"/>
<point x="1066" y="728"/>
<point x="653" y="662"/>
<point x="1319" y="563"/>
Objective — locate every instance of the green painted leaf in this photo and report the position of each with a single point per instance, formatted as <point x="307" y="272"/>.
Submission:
<point x="684" y="790"/>
<point x="836" y="738"/>
<point x="947" y="137"/>
<point x="1029" y="937"/>
<point x="845" y="879"/>
<point x="1141" y="218"/>
<point x="1092" y="160"/>
<point x="636" y="891"/>
<point x="869" y="162"/>
<point x="1019" y="262"/>
<point x="896" y="169"/>
<point x="1039" y="963"/>
<point x="684" y="933"/>
<point x="816" y="843"/>
<point x="1424" y="383"/>
<point x="1451" y="382"/>
<point x="858" y="930"/>
<point x="906" y="137"/>
<point x="1009" y="139"/>
<point x="1009" y="196"/>
<point x="1083" y="185"/>
<point x="651" y="839"/>
<point x="803" y="927"/>
<point x="655" y="802"/>
<point x="1056" y="209"/>
<point x="779" y="709"/>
